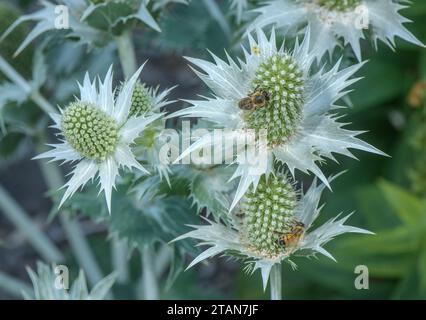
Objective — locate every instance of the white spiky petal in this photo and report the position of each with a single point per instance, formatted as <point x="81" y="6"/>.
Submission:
<point x="227" y="239"/>
<point x="148" y="150"/>
<point x="318" y="134"/>
<point x="101" y="95"/>
<point x="380" y="17"/>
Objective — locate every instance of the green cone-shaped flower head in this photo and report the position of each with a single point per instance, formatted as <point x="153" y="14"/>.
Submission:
<point x="268" y="213"/>
<point x="89" y="130"/>
<point x="338" y="5"/>
<point x="141" y="100"/>
<point x="283" y="81"/>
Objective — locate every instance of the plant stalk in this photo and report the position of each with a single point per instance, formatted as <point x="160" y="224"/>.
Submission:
<point x="28" y="228"/>
<point x="126" y="52"/>
<point x="276" y="282"/>
<point x="120" y="257"/>
<point x="149" y="278"/>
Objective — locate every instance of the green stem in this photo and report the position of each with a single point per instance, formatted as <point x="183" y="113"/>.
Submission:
<point x="276" y="282"/>
<point x="149" y="278"/>
<point x="120" y="257"/>
<point x="13" y="286"/>
<point x="28" y="228"/>
<point x="16" y="78"/>
<point x="126" y="51"/>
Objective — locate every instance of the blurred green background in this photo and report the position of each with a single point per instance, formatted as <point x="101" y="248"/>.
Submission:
<point x="388" y="195"/>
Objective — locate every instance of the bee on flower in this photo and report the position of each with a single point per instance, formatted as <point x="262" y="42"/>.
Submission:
<point x="294" y="105"/>
<point x="270" y="225"/>
<point x="333" y="20"/>
<point x="98" y="131"/>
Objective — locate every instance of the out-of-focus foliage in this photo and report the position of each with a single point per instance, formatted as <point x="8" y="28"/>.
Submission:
<point x="47" y="287"/>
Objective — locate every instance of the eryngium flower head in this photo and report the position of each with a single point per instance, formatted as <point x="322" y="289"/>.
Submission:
<point x="333" y="20"/>
<point x="301" y="131"/>
<point x="97" y="132"/>
<point x="270" y="225"/>
<point x="148" y="101"/>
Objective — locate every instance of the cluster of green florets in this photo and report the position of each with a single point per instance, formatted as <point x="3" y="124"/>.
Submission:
<point x="268" y="214"/>
<point x="338" y="5"/>
<point x="141" y="100"/>
<point x="283" y="80"/>
<point x="89" y="130"/>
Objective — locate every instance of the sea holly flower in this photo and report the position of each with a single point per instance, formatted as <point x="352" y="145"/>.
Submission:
<point x="98" y="132"/>
<point x="296" y="111"/>
<point x="332" y="20"/>
<point x="148" y="101"/>
<point x="45" y="286"/>
<point x="270" y="225"/>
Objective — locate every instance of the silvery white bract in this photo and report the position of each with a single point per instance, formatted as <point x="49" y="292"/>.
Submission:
<point x="299" y="122"/>
<point x="331" y="20"/>
<point x="231" y="240"/>
<point x="97" y="151"/>
<point x="45" y="282"/>
<point x="148" y="147"/>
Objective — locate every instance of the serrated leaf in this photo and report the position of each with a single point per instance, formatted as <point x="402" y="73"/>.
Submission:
<point x="140" y="223"/>
<point x="146" y="17"/>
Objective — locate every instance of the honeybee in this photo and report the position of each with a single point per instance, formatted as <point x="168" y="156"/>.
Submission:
<point x="255" y="100"/>
<point x="292" y="238"/>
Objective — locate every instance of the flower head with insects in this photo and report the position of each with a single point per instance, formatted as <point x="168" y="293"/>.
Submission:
<point x="270" y="225"/>
<point x="296" y="112"/>
<point x="332" y="20"/>
<point x="98" y="131"/>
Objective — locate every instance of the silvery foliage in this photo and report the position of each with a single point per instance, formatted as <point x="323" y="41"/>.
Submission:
<point x="46" y="286"/>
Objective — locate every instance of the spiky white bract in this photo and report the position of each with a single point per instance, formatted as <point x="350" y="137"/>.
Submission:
<point x="301" y="128"/>
<point x="258" y="221"/>
<point x="45" y="286"/>
<point x="333" y="20"/>
<point x="98" y="131"/>
<point x="148" y="101"/>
